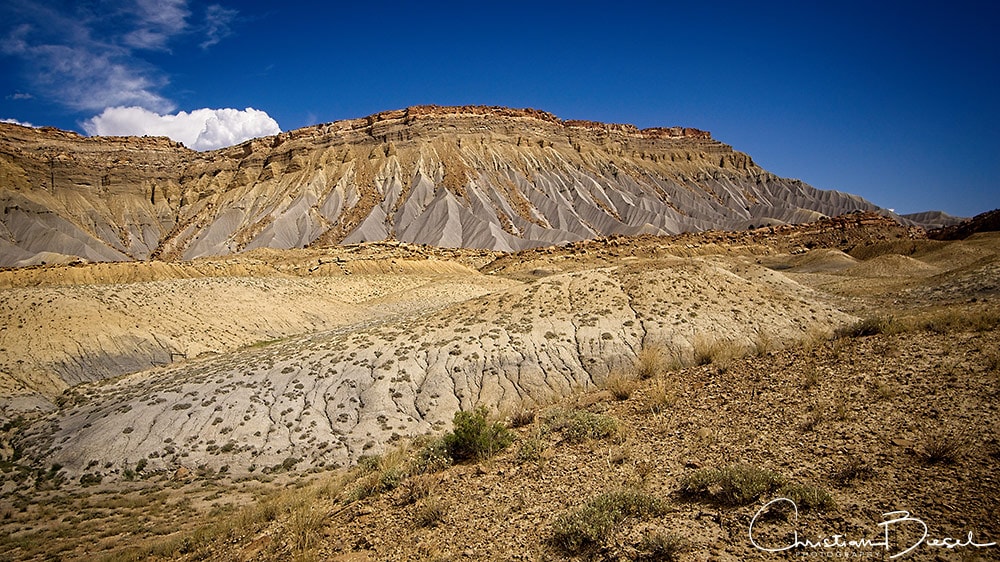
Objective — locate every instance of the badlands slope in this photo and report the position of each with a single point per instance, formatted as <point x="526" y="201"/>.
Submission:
<point x="472" y="177"/>
<point x="375" y="342"/>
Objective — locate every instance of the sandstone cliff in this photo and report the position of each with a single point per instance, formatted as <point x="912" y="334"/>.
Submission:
<point x="481" y="177"/>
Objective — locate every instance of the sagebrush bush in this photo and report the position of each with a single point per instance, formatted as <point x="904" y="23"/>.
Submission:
<point x="660" y="547"/>
<point x="737" y="484"/>
<point x="590" y="525"/>
<point x="579" y="425"/>
<point x="474" y="437"/>
<point x="807" y="498"/>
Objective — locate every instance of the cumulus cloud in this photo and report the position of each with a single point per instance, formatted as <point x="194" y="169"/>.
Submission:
<point x="201" y="129"/>
<point x="16" y="122"/>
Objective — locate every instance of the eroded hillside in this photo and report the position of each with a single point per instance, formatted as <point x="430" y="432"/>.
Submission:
<point x="270" y="355"/>
<point x="851" y="364"/>
<point x="472" y="177"/>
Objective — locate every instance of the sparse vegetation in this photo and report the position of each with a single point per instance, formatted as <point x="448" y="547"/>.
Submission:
<point x="943" y="447"/>
<point x="590" y="525"/>
<point x="865" y="400"/>
<point x="651" y="361"/>
<point x="662" y="547"/>
<point x="853" y="470"/>
<point x="530" y="450"/>
<point x="661" y="396"/>
<point x="378" y="474"/>
<point x="474" y="437"/>
<point x="869" y="326"/>
<point x="710" y="350"/>
<point x="807" y="498"/>
<point x="737" y="484"/>
<point x="522" y="417"/>
<point x="620" y="384"/>
<point x="430" y="513"/>
<point x="579" y="425"/>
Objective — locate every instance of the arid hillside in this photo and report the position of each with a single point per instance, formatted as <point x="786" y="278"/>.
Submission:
<point x="643" y="398"/>
<point x="469" y="177"/>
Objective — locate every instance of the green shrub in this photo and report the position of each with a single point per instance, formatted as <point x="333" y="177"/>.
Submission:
<point x="736" y="484"/>
<point x="590" y="525"/>
<point x="662" y="547"/>
<point x="580" y="425"/>
<point x="433" y="457"/>
<point x="473" y="437"/>
<point x="807" y="498"/>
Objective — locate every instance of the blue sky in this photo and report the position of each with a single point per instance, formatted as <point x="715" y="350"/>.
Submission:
<point x="895" y="101"/>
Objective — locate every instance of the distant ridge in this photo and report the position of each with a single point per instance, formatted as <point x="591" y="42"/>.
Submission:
<point x="469" y="176"/>
<point x="933" y="219"/>
<point x="983" y="222"/>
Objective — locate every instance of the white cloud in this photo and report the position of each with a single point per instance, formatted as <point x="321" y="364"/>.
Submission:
<point x="16" y="122"/>
<point x="80" y="71"/>
<point x="90" y="55"/>
<point x="217" y="20"/>
<point x="201" y="129"/>
<point x="156" y="22"/>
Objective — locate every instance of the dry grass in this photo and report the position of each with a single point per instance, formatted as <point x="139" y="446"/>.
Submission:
<point x="579" y="425"/>
<point x="763" y="344"/>
<point x="521" y="417"/>
<point x="620" y="383"/>
<point x="711" y="350"/>
<point x="853" y="470"/>
<point x="869" y="326"/>
<point x="945" y="446"/>
<point x="380" y="474"/>
<point x="661" y="396"/>
<point x="432" y="512"/>
<point x="947" y="321"/>
<point x="416" y="488"/>
<point x="652" y="361"/>
<point x="814" y="337"/>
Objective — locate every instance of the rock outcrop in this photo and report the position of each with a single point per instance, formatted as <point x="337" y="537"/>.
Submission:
<point x="983" y="222"/>
<point x="480" y="177"/>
